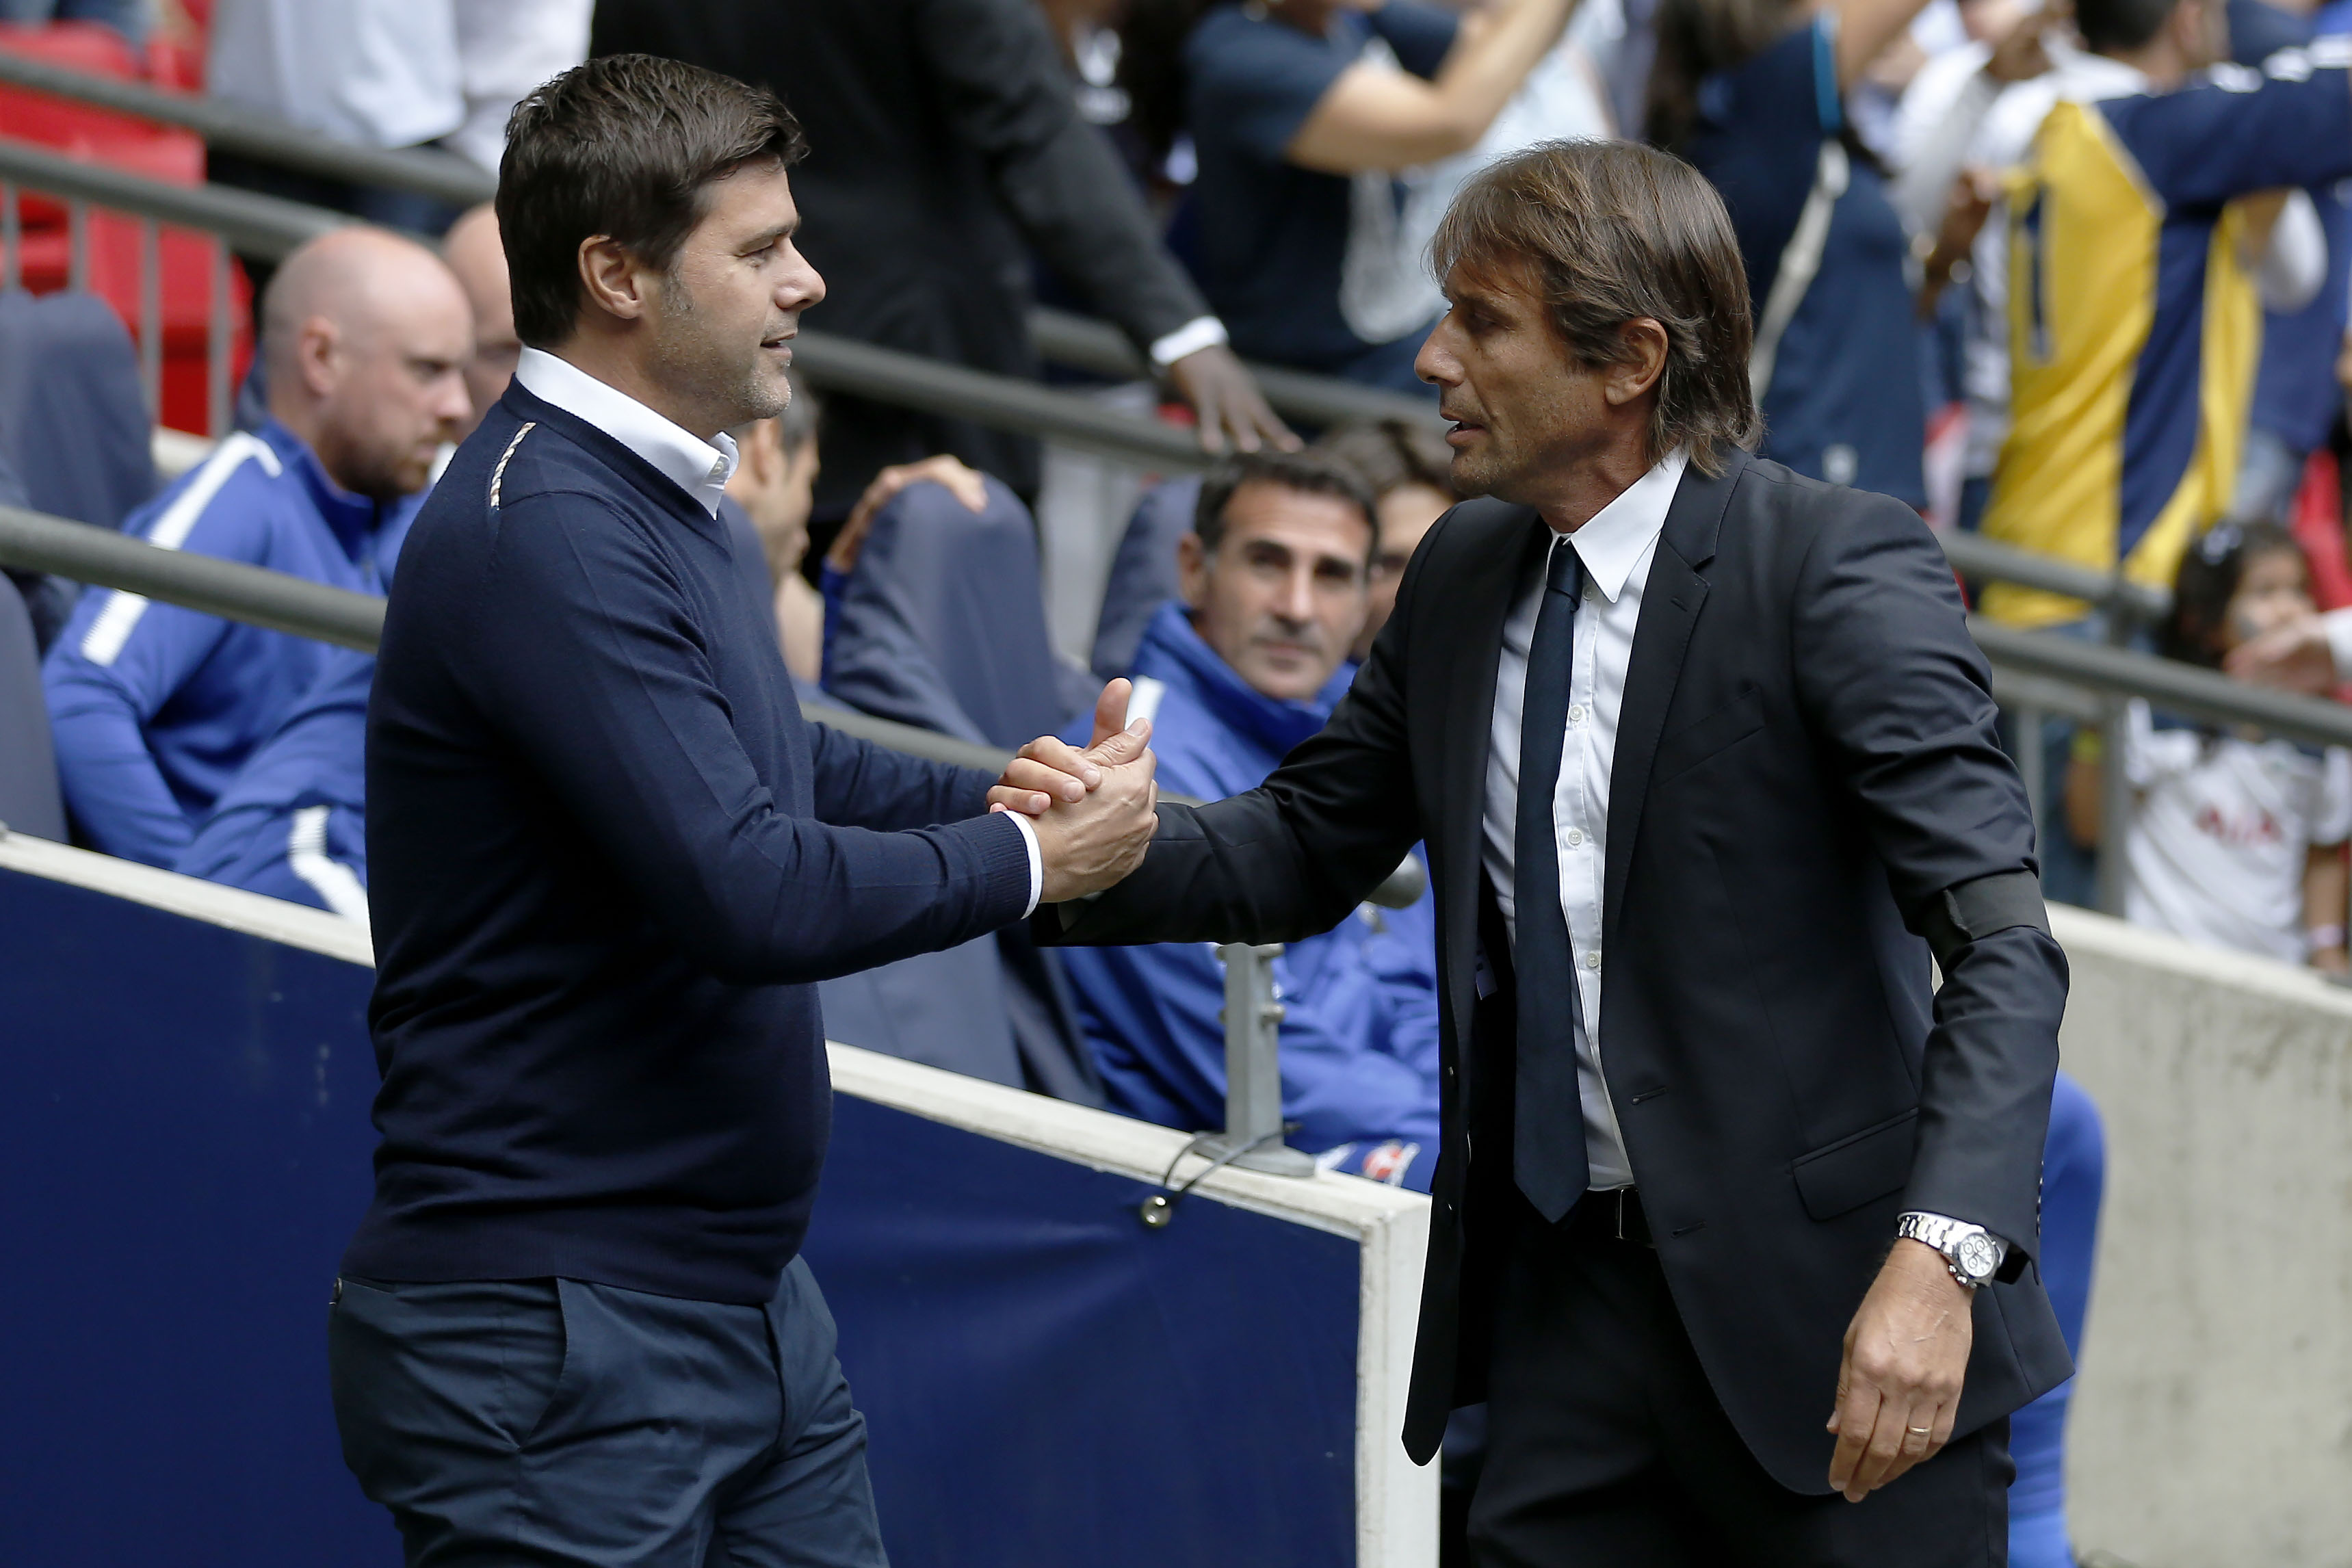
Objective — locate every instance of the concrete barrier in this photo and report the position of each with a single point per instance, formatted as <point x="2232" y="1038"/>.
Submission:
<point x="2212" y="1426"/>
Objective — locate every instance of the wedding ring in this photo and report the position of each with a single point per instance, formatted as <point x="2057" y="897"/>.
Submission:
<point x="1921" y="1431"/>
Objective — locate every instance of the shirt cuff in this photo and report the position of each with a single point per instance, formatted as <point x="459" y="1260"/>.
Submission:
<point x="1200" y="332"/>
<point x="1036" y="862"/>
<point x="2338" y="626"/>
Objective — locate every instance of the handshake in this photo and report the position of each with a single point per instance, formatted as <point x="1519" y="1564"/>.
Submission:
<point x="1093" y="810"/>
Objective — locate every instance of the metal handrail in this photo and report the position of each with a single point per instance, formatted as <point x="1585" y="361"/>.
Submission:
<point x="248" y="133"/>
<point x="1060" y="337"/>
<point x="268" y="227"/>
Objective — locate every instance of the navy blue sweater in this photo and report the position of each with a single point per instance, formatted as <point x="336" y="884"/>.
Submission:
<point x="608" y="862"/>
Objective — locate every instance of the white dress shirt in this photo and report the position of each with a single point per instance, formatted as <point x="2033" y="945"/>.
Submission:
<point x="701" y="469"/>
<point x="1616" y="546"/>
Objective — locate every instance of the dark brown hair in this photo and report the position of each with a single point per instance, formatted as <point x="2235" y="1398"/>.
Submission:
<point x="1392" y="454"/>
<point x="2211" y="570"/>
<point x="1610" y="232"/>
<point x="625" y="146"/>
<point x="1697" y="38"/>
<point x="1310" y="472"/>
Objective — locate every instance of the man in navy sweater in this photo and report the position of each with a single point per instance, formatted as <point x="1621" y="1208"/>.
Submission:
<point x="609" y="861"/>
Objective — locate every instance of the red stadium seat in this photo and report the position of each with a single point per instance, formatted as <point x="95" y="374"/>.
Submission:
<point x="122" y="142"/>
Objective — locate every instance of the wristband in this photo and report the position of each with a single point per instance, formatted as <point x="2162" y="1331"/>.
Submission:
<point x="2319" y="939"/>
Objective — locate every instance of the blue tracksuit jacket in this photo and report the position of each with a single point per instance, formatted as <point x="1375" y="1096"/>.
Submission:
<point x="1359" y="1031"/>
<point x="292" y="824"/>
<point x="156" y="707"/>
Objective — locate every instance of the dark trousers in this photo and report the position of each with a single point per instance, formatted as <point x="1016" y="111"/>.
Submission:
<point x="549" y="1422"/>
<point x="1606" y="1446"/>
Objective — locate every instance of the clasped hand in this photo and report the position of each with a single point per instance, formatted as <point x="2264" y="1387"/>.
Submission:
<point x="1093" y="810"/>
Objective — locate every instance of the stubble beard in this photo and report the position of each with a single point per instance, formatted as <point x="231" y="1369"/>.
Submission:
<point x="733" y="385"/>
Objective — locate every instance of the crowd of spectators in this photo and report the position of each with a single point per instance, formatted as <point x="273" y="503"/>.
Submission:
<point x="2077" y="277"/>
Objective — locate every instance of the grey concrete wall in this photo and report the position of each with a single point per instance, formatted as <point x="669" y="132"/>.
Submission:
<point x="2212" y="1424"/>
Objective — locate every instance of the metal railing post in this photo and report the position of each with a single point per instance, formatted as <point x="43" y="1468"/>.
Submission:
<point x="77" y="245"/>
<point x="150" y="316"/>
<point x="219" y="343"/>
<point x="12" y="236"/>
<point x="2033" y="762"/>
<point x="1253" y="1020"/>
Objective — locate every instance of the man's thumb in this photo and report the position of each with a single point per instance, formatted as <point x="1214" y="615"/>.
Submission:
<point x="1121" y="746"/>
<point x="1110" y="710"/>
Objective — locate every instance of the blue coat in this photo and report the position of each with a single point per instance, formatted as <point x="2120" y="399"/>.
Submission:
<point x="1359" y="1031"/>
<point x="156" y="707"/>
<point x="293" y="822"/>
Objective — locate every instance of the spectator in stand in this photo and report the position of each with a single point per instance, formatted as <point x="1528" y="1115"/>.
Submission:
<point x="387" y="73"/>
<point x="473" y="252"/>
<point x="365" y="335"/>
<point x="942" y="137"/>
<point x="1303" y="114"/>
<point x="1247" y="663"/>
<point x="1410" y="470"/>
<point x="2232" y="842"/>
<point x="2128" y="407"/>
<point x="775" y="484"/>
<point x="1753" y="93"/>
<point x="2296" y="401"/>
<point x="292" y="824"/>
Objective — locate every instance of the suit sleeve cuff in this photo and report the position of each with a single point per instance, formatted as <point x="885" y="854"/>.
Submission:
<point x="1036" y="862"/>
<point x="1200" y="332"/>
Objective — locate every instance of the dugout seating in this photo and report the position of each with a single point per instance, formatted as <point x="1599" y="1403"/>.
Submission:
<point x="1142" y="572"/>
<point x="73" y="422"/>
<point x="29" y="799"/>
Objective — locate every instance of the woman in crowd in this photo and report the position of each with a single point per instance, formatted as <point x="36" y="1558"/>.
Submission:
<point x="1753" y="92"/>
<point x="1315" y="125"/>
<point x="2234" y="841"/>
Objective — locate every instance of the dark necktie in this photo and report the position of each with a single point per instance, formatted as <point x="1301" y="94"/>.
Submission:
<point x="1548" y="1124"/>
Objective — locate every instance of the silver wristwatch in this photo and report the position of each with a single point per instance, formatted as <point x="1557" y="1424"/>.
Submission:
<point x="1972" y="1252"/>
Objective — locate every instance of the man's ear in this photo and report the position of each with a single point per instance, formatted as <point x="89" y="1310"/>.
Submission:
<point x="1192" y="571"/>
<point x="1641" y="359"/>
<point x="317" y="346"/>
<point x="614" y="282"/>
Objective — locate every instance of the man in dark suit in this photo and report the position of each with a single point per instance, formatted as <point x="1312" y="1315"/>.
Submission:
<point x="943" y="137"/>
<point x="1740" y="1258"/>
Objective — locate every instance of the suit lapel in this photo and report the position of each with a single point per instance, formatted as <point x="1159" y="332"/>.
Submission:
<point x="1670" y="607"/>
<point x="1499" y="555"/>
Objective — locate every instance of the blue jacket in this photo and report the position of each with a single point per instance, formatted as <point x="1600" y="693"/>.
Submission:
<point x="1359" y="1031"/>
<point x="156" y="707"/>
<point x="292" y="824"/>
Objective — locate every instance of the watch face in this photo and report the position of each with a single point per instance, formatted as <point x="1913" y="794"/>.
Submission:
<point x="1978" y="1258"/>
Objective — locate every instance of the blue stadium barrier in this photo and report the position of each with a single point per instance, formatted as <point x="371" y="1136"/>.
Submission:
<point x="184" y="1078"/>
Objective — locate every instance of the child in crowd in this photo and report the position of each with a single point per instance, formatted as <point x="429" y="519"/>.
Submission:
<point x="2234" y="840"/>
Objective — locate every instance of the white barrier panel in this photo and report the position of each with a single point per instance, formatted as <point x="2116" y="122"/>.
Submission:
<point x="2212" y="1424"/>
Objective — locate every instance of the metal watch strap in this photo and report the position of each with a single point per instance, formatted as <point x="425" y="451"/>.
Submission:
<point x="1944" y="1235"/>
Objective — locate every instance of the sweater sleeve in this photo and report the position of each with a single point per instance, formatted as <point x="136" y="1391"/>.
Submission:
<point x="595" y="667"/>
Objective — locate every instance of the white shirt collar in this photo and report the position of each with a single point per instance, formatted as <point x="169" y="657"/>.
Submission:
<point x="1614" y="541"/>
<point x="697" y="467"/>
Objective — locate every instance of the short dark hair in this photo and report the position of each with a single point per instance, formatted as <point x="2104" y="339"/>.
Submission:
<point x="1612" y="232"/>
<point x="2115" y="26"/>
<point x="623" y="146"/>
<point x="1310" y="472"/>
<point x="1392" y="454"/>
<point x="2211" y="570"/>
<point x="803" y="413"/>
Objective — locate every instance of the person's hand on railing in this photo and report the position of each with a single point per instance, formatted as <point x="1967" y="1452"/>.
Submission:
<point x="1230" y="410"/>
<point x="968" y="485"/>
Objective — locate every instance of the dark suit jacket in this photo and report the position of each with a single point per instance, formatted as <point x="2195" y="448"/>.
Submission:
<point x="942" y="135"/>
<point x="1805" y="763"/>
